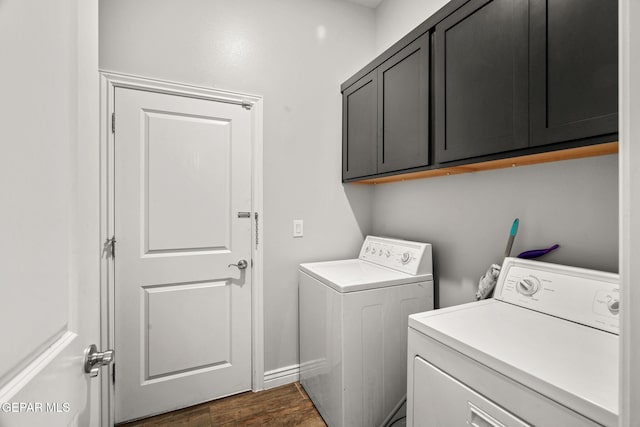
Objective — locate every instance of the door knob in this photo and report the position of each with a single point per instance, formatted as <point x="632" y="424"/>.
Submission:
<point x="242" y="264"/>
<point x="93" y="360"/>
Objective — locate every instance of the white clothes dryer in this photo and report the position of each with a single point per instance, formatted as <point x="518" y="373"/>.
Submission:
<point x="353" y="329"/>
<point x="542" y="352"/>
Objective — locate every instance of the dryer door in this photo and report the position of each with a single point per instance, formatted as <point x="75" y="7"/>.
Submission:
<point x="441" y="400"/>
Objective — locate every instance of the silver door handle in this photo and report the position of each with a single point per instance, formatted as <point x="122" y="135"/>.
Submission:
<point x="93" y="360"/>
<point x="242" y="264"/>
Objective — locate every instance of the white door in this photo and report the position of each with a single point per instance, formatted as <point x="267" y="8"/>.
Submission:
<point x="49" y="218"/>
<point x="182" y="203"/>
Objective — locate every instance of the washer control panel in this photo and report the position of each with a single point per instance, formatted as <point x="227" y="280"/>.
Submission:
<point x="580" y="295"/>
<point x="409" y="257"/>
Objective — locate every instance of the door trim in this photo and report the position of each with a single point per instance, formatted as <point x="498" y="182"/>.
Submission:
<point x="109" y="81"/>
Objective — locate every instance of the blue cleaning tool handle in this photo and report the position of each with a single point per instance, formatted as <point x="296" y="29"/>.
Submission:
<point x="535" y="253"/>
<point x="512" y="236"/>
<point x="514" y="227"/>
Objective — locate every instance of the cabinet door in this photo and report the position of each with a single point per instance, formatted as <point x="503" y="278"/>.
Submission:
<point x="574" y="69"/>
<point x="359" y="128"/>
<point x="481" y="79"/>
<point x="403" y="110"/>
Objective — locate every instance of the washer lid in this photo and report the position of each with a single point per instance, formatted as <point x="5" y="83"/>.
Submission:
<point x="572" y="364"/>
<point x="356" y="275"/>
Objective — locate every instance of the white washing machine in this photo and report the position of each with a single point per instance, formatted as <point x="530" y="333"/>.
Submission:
<point x="353" y="329"/>
<point x="542" y="352"/>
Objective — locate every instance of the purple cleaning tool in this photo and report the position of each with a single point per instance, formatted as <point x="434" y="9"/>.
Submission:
<point x="535" y="253"/>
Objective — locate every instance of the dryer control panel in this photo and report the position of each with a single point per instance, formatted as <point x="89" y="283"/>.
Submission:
<point x="588" y="297"/>
<point x="409" y="257"/>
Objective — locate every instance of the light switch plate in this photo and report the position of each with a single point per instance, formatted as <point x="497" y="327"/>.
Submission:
<point x="298" y="228"/>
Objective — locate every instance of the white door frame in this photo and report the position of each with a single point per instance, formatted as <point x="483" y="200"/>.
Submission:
<point x="629" y="211"/>
<point x="109" y="81"/>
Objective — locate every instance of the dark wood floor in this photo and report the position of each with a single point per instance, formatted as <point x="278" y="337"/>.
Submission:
<point x="287" y="405"/>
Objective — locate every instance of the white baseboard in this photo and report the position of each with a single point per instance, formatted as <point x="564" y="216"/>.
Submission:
<point x="281" y="376"/>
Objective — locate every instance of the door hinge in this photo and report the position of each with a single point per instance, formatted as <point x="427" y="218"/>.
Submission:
<point x="257" y="234"/>
<point x="109" y="248"/>
<point x="113" y="122"/>
<point x="247" y="105"/>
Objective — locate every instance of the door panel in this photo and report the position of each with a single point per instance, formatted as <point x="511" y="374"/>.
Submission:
<point x="49" y="299"/>
<point x="481" y="79"/>
<point x="359" y="128"/>
<point x="188" y="182"/>
<point x="403" y="117"/>
<point x="574" y="69"/>
<point x="179" y="316"/>
<point x="183" y="315"/>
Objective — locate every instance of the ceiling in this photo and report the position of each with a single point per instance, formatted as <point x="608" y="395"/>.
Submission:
<point x="368" y="3"/>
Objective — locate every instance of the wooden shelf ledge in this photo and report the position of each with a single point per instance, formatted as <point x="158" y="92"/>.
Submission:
<point x="532" y="159"/>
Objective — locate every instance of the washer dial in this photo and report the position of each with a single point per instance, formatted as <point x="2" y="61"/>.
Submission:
<point x="405" y="258"/>
<point x="528" y="286"/>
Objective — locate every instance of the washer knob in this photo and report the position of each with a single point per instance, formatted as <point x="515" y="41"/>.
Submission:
<point x="405" y="258"/>
<point x="614" y="306"/>
<point x="528" y="287"/>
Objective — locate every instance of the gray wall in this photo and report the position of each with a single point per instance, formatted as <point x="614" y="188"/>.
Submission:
<point x="277" y="50"/>
<point x="295" y="53"/>
<point x="395" y="18"/>
<point x="468" y="217"/>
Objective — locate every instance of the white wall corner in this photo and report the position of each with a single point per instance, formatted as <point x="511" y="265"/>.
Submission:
<point x="281" y="376"/>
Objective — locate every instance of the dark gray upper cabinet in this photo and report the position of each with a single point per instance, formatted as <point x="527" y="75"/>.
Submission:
<point x="574" y="69"/>
<point x="359" y="128"/>
<point x="481" y="80"/>
<point x="385" y="115"/>
<point x="403" y="110"/>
